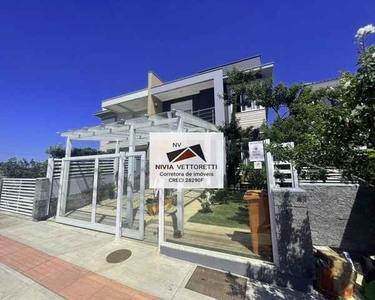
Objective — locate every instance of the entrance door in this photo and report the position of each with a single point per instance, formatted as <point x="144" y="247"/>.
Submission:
<point x="98" y="192"/>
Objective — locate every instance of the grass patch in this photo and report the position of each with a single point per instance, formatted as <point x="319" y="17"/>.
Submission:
<point x="231" y="214"/>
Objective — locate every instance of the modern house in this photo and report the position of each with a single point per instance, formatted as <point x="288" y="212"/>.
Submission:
<point x="198" y="94"/>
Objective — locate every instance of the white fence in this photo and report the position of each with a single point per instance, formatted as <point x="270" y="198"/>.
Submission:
<point x="310" y="175"/>
<point x="17" y="195"/>
<point x="84" y="168"/>
<point x="285" y="174"/>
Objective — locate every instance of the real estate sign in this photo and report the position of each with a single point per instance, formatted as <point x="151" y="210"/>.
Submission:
<point x="186" y="160"/>
<point x="256" y="151"/>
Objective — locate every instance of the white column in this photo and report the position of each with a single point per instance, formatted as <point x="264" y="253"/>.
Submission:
<point x="142" y="196"/>
<point x="294" y="171"/>
<point x="270" y="185"/>
<point x="115" y="162"/>
<point x="95" y="190"/>
<point x="50" y="166"/>
<point x="64" y="176"/>
<point x="220" y="117"/>
<point x="130" y="181"/>
<point x="180" y="192"/>
<point x="68" y="148"/>
<point x="161" y="217"/>
<point x="120" y="190"/>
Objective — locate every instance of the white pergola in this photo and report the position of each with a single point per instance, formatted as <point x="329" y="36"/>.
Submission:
<point x="138" y="130"/>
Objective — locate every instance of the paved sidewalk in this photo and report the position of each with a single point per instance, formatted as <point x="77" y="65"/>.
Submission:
<point x="146" y="270"/>
<point x="61" y="277"/>
<point x="84" y="251"/>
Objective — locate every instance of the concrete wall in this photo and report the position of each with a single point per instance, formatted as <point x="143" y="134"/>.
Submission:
<point x="41" y="199"/>
<point x="342" y="216"/>
<point x="254" y="118"/>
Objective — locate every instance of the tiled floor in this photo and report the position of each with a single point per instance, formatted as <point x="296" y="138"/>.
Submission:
<point x="65" y="279"/>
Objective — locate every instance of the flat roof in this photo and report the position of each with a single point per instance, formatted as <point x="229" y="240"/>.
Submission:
<point x="230" y="63"/>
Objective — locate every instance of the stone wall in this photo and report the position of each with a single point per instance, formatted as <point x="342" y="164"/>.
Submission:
<point x="342" y="216"/>
<point x="293" y="236"/>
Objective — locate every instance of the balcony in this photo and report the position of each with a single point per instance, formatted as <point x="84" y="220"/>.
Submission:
<point x="207" y="114"/>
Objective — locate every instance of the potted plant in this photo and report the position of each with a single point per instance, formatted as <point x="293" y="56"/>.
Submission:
<point x="155" y="206"/>
<point x="149" y="206"/>
<point x="257" y="203"/>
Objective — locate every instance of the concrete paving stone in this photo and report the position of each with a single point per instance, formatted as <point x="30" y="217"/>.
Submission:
<point x="83" y="289"/>
<point x="96" y="250"/>
<point x="142" y="296"/>
<point x="155" y="274"/>
<point x="15" y="281"/>
<point x="35" y="292"/>
<point x="108" y="293"/>
<point x="61" y="279"/>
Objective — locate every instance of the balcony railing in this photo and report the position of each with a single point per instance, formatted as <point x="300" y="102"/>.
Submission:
<point x="207" y="114"/>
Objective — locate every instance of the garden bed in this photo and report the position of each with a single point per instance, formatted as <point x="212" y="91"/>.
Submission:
<point x="232" y="214"/>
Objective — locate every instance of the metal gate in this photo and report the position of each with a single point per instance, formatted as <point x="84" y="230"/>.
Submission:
<point x="17" y="195"/>
<point x="104" y="193"/>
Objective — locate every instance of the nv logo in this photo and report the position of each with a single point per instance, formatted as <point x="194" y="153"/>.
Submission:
<point x="186" y="153"/>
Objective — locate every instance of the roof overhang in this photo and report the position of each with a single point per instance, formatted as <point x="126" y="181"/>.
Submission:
<point x="131" y="102"/>
<point x="186" y="86"/>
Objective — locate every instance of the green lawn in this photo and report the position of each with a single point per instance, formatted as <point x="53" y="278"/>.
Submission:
<point x="231" y="214"/>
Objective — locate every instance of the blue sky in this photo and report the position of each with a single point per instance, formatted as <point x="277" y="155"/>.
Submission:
<point x="59" y="59"/>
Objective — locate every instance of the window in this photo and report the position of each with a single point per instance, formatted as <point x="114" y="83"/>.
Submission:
<point x="250" y="106"/>
<point x="186" y="106"/>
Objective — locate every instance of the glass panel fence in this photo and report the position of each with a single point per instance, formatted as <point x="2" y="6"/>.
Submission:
<point x="106" y="200"/>
<point x="220" y="220"/>
<point x="79" y="190"/>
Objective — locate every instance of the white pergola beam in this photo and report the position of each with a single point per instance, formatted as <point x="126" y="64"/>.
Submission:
<point x="181" y="122"/>
<point x="130" y="183"/>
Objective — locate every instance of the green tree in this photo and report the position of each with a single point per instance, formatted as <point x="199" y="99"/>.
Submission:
<point x="58" y="151"/>
<point x="238" y="84"/>
<point x="22" y="168"/>
<point x="334" y="127"/>
<point x="236" y="141"/>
